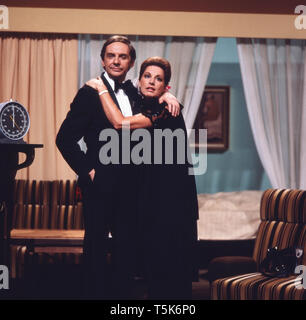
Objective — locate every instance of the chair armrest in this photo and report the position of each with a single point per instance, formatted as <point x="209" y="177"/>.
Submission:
<point x="222" y="267"/>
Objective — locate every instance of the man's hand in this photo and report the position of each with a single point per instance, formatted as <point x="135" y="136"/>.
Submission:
<point x="92" y="174"/>
<point x="173" y="105"/>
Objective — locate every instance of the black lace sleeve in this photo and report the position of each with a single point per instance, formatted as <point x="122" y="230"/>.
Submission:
<point x="156" y="114"/>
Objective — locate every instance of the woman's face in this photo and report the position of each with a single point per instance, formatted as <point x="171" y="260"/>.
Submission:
<point x="152" y="82"/>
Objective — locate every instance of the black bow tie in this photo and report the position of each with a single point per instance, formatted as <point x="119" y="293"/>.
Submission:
<point x="122" y="85"/>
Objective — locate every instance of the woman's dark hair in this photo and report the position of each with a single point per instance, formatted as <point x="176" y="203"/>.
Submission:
<point x="122" y="39"/>
<point x="159" y="62"/>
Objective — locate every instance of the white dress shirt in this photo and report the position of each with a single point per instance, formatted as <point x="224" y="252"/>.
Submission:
<point x="122" y="98"/>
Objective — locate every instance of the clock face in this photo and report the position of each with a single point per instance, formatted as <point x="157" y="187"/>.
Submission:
<point x="14" y="121"/>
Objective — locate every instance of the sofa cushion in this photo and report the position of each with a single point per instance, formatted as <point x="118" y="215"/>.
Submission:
<point x="255" y="286"/>
<point x="229" y="215"/>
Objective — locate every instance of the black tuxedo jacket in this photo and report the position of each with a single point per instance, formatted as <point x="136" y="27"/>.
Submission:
<point x="87" y="119"/>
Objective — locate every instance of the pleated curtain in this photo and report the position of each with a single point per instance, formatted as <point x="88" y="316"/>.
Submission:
<point x="40" y="71"/>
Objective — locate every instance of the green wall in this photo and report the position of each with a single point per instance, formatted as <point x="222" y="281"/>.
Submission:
<point x="239" y="168"/>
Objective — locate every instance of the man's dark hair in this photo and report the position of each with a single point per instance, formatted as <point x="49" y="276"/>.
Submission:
<point x="122" y="39"/>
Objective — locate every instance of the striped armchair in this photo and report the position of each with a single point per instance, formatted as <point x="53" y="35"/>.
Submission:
<point x="283" y="216"/>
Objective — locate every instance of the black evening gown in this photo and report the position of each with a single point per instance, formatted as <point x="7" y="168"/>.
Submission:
<point x="168" y="217"/>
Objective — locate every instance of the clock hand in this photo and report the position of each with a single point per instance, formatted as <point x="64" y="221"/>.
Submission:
<point x="14" y="122"/>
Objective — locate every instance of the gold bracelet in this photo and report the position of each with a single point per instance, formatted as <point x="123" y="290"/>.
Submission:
<point x="103" y="91"/>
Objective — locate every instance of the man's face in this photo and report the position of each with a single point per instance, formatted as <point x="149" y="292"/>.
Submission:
<point x="117" y="60"/>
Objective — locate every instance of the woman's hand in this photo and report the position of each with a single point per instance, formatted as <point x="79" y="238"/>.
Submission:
<point x="172" y="104"/>
<point x="97" y="84"/>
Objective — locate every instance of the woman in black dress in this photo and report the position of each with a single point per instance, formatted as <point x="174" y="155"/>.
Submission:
<point x="168" y="208"/>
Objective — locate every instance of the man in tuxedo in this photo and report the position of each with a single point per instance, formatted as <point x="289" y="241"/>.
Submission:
<point x="109" y="191"/>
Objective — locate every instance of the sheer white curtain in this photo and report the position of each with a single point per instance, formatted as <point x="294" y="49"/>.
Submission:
<point x="190" y="60"/>
<point x="273" y="74"/>
<point x="89" y="57"/>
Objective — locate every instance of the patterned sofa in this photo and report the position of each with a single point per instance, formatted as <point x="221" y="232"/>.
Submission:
<point x="44" y="205"/>
<point x="283" y="217"/>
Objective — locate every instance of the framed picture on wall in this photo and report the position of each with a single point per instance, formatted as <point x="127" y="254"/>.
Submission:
<point x="213" y="115"/>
